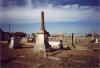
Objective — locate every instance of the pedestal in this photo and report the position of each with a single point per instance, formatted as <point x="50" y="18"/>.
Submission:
<point x="41" y="43"/>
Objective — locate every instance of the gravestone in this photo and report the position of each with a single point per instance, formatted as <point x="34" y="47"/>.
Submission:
<point x="72" y="38"/>
<point x="56" y="44"/>
<point x="15" y="42"/>
<point x="11" y="42"/>
<point x="42" y="39"/>
<point x="29" y="38"/>
<point x="93" y="36"/>
<point x="33" y="37"/>
<point x="96" y="41"/>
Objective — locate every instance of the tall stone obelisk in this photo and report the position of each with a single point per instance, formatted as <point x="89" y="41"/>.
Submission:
<point x="42" y="21"/>
<point x="42" y="37"/>
<point x="42" y="27"/>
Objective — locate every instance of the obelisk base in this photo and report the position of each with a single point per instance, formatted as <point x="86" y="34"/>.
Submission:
<point x="40" y="46"/>
<point x="40" y="50"/>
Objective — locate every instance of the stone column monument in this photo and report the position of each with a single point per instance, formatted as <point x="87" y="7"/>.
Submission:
<point x="42" y="37"/>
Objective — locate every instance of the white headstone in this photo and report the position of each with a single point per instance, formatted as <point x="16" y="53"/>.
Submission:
<point x="93" y="36"/>
<point x="96" y="41"/>
<point x="54" y="44"/>
<point x="11" y="42"/>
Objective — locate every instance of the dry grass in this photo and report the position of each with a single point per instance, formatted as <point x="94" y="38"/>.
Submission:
<point x="26" y="58"/>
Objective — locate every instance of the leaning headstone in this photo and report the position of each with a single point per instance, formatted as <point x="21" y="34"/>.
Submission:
<point x="15" y="42"/>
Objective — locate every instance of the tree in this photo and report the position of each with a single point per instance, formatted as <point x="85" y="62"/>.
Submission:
<point x="21" y="34"/>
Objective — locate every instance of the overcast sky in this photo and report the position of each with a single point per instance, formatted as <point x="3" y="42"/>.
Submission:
<point x="28" y="12"/>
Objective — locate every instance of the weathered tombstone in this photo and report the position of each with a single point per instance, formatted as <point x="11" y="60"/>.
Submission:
<point x="29" y="38"/>
<point x="42" y="39"/>
<point x="55" y="44"/>
<point x="11" y="42"/>
<point x="33" y="37"/>
<point x="73" y="41"/>
<point x="61" y="45"/>
<point x="96" y="41"/>
<point x="15" y="42"/>
<point x="93" y="36"/>
<point x="72" y="38"/>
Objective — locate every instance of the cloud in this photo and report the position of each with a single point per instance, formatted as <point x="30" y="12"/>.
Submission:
<point x="62" y="13"/>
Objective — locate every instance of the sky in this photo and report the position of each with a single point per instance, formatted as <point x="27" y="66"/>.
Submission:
<point x="70" y="16"/>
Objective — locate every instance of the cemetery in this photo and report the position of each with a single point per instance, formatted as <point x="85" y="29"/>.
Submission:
<point x="44" y="51"/>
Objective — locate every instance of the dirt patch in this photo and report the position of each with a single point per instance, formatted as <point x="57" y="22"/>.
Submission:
<point x="26" y="58"/>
